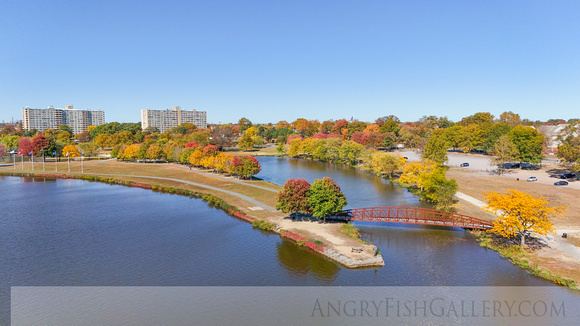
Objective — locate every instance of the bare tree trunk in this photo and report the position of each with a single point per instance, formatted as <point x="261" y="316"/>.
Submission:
<point x="523" y="240"/>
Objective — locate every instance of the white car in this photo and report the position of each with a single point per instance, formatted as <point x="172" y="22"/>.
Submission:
<point x="532" y="179"/>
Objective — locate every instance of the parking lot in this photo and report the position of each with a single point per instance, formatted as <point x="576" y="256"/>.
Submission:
<point x="481" y="164"/>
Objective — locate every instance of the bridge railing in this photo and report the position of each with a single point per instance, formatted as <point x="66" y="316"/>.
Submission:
<point x="417" y="216"/>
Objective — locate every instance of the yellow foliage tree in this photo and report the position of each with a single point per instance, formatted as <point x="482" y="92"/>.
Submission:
<point x="521" y="214"/>
<point x="196" y="157"/>
<point x="415" y="172"/>
<point x="71" y="151"/>
<point x="222" y="161"/>
<point x="383" y="163"/>
<point x="154" y="152"/>
<point x="372" y="128"/>
<point x="295" y="147"/>
<point x="208" y="162"/>
<point x="131" y="152"/>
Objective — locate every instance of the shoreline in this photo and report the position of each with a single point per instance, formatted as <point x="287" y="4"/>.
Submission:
<point x="351" y="262"/>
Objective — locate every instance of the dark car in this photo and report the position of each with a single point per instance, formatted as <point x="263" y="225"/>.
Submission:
<point x="511" y="165"/>
<point x="568" y="175"/>
<point x="463" y="165"/>
<point x="561" y="183"/>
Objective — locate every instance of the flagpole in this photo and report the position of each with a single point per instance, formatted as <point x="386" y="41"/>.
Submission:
<point x="55" y="162"/>
<point x="68" y="157"/>
<point x="14" y="161"/>
<point x="22" y="161"/>
<point x="32" y="160"/>
<point x="43" y="170"/>
<point x="82" y="169"/>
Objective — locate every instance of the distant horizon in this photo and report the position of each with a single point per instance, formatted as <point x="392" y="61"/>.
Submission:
<point x="272" y="61"/>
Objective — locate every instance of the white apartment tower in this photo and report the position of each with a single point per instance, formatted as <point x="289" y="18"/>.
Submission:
<point x="166" y="119"/>
<point x="51" y="118"/>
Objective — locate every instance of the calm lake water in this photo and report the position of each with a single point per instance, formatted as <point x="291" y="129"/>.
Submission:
<point x="73" y="233"/>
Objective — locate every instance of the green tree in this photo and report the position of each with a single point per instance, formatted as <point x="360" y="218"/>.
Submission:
<point x="89" y="149"/>
<point x="529" y="143"/>
<point x="390" y="126"/>
<point x="436" y="147"/>
<point x="326" y="198"/>
<point x="503" y="151"/>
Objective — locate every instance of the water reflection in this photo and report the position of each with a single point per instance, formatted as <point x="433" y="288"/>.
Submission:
<point x="302" y="264"/>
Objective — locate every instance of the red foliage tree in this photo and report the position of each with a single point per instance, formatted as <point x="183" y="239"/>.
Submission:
<point x="25" y="146"/>
<point x="210" y="150"/>
<point x="294" y="197"/>
<point x="2" y="150"/>
<point x="360" y="137"/>
<point x="338" y="126"/>
<point x="191" y="145"/>
<point x="39" y="143"/>
<point x="245" y="166"/>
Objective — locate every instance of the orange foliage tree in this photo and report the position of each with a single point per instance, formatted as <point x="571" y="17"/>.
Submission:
<point x="520" y="214"/>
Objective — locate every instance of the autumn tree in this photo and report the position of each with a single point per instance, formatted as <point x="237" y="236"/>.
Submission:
<point x="131" y="152"/>
<point x="520" y="214"/>
<point x="210" y="150"/>
<point x="384" y="164"/>
<point x="414" y="171"/>
<point x="326" y="198"/>
<point x="25" y="146"/>
<point x="245" y="166"/>
<point x="246" y="142"/>
<point x="294" y="197"/>
<point x="153" y="152"/>
<point x="71" y="151"/>
<point x="40" y="144"/>
<point x="195" y="157"/>
<point x="2" y="150"/>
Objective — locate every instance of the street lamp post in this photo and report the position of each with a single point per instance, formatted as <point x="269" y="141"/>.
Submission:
<point x="68" y="157"/>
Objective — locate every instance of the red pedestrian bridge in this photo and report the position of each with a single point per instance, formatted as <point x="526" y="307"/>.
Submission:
<point x="413" y="215"/>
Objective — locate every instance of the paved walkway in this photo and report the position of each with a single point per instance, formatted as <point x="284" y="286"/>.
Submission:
<point x="229" y="179"/>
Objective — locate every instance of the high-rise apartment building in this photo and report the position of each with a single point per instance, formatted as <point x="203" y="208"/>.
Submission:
<point x="166" y="119"/>
<point x="51" y="118"/>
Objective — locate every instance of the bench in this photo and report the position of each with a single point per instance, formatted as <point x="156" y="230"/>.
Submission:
<point x="357" y="249"/>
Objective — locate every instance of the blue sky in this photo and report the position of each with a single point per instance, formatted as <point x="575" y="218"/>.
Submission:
<point x="283" y="60"/>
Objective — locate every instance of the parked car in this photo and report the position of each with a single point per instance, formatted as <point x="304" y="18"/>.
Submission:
<point x="568" y="175"/>
<point x="561" y="183"/>
<point x="464" y="165"/>
<point x="13" y="152"/>
<point x="532" y="179"/>
<point x="530" y="166"/>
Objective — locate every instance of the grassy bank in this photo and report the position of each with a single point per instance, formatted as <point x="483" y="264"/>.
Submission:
<point x="523" y="258"/>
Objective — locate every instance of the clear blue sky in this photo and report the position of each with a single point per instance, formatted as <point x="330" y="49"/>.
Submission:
<point x="283" y="60"/>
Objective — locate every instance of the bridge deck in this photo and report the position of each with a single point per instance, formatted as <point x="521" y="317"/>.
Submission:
<point x="413" y="215"/>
